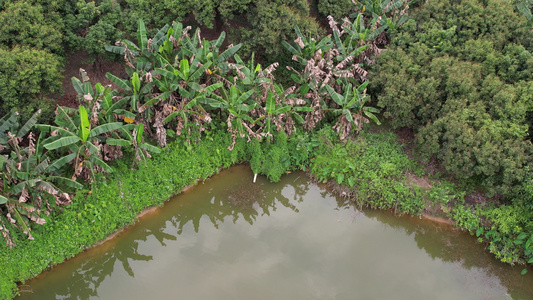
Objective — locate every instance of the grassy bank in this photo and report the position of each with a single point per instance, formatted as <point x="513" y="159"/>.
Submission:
<point x="371" y="170"/>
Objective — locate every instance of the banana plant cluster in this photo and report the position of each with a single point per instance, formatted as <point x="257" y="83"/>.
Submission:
<point x="187" y="82"/>
<point x="333" y="79"/>
<point x="30" y="177"/>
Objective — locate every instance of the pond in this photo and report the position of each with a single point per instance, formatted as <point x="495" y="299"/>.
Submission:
<point x="229" y="238"/>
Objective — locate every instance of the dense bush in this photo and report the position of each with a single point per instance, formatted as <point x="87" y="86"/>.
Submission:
<point x="26" y="77"/>
<point x="463" y="81"/>
<point x="24" y="25"/>
<point x="334" y="8"/>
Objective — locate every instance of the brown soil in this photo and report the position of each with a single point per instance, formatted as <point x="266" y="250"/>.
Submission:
<point x="422" y="182"/>
<point x="80" y="60"/>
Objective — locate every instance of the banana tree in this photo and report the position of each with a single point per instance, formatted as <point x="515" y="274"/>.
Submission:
<point x="28" y="180"/>
<point x="249" y="74"/>
<point x="82" y="142"/>
<point x="391" y="13"/>
<point x="237" y="106"/>
<point x="145" y="55"/>
<point x="306" y="48"/>
<point x="132" y="135"/>
<point x="11" y="133"/>
<point x="99" y="102"/>
<point x="350" y="108"/>
<point x="204" y="51"/>
<point x="172" y="78"/>
<point x="357" y="36"/>
<point x="138" y="92"/>
<point x="280" y="109"/>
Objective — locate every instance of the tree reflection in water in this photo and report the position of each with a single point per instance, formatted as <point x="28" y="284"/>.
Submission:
<point x="233" y="197"/>
<point x="441" y="241"/>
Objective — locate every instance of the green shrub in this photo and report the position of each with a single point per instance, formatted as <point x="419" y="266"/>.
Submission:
<point x="463" y="82"/>
<point x="24" y="25"/>
<point x="27" y="76"/>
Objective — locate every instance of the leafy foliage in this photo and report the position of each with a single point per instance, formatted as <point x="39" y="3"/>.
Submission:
<point x="26" y="77"/>
<point x="24" y="25"/>
<point x="462" y="81"/>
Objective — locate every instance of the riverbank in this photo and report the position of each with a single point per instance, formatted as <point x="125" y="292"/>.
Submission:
<point x="369" y="170"/>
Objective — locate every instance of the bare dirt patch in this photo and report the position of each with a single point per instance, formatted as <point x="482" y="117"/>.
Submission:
<point x="81" y="60"/>
<point x="422" y="182"/>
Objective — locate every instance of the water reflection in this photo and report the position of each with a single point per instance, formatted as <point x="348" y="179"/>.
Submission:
<point x="442" y="242"/>
<point x="189" y="241"/>
<point x="239" y="198"/>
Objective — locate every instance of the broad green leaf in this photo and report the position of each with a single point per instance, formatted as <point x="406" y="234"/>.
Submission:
<point x="290" y="47"/>
<point x="140" y="131"/>
<point x="49" y="128"/>
<point x="60" y="162"/>
<point x="40" y="167"/>
<point x="29" y="124"/>
<point x="102" y="164"/>
<point x="372" y="117"/>
<point x="218" y="43"/>
<point x="184" y="69"/>
<point x="105" y="128"/>
<point x="224" y="56"/>
<point x="150" y="148"/>
<point x="210" y="89"/>
<point x="78" y="86"/>
<point x="270" y="104"/>
<point x="117" y="105"/>
<point x="64" y="120"/>
<point x="195" y="76"/>
<point x="3" y="200"/>
<point x="298" y="118"/>
<point x="348" y="114"/>
<point x="282" y="110"/>
<point x="245" y="96"/>
<point x="118" y="142"/>
<point x="66" y="181"/>
<point x="141" y="35"/>
<point x="115" y="49"/>
<point x="160" y="37"/>
<point x="136" y="83"/>
<point x="62" y="142"/>
<point x="171" y="116"/>
<point x="84" y="124"/>
<point x="121" y="83"/>
<point x="338" y="98"/>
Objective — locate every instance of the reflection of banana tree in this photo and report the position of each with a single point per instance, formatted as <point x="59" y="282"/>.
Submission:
<point x="81" y="141"/>
<point x="351" y="108"/>
<point x="236" y="104"/>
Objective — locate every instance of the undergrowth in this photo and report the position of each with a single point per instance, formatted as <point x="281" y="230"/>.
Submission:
<point x="369" y="169"/>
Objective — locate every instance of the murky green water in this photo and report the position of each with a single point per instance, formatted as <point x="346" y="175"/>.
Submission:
<point x="232" y="239"/>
